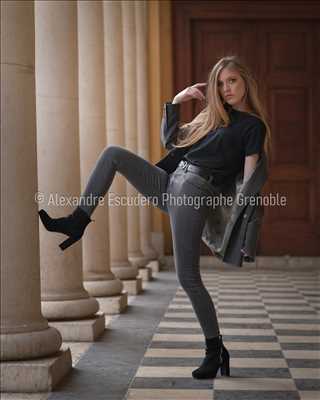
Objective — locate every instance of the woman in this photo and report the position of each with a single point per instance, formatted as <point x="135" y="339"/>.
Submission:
<point x="227" y="136"/>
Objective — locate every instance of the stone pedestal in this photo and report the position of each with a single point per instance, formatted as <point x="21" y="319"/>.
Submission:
<point x="154" y="265"/>
<point x="145" y="274"/>
<point x="34" y="376"/>
<point x="133" y="286"/>
<point x="113" y="304"/>
<point x="85" y="330"/>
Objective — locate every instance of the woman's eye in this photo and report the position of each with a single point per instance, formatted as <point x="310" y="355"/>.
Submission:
<point x="231" y="80"/>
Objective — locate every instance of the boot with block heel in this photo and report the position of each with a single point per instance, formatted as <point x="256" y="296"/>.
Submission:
<point x="217" y="357"/>
<point x="73" y="225"/>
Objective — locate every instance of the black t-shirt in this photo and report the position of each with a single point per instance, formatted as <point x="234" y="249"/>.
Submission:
<point x="223" y="150"/>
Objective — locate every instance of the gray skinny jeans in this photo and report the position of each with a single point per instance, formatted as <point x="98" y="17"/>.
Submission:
<point x="186" y="219"/>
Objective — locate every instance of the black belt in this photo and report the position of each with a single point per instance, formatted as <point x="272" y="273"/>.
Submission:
<point x="187" y="166"/>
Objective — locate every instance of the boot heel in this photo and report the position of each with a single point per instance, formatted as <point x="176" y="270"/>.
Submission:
<point x="225" y="367"/>
<point x="64" y="245"/>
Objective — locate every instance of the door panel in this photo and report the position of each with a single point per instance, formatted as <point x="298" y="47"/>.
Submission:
<point x="287" y="57"/>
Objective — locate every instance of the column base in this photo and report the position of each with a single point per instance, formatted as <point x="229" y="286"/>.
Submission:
<point x="84" y="330"/>
<point x="133" y="286"/>
<point x="124" y="269"/>
<point x="30" y="345"/>
<point x="40" y="375"/>
<point x="154" y="265"/>
<point x="113" y="304"/>
<point x="138" y="261"/>
<point x="54" y="310"/>
<point x="145" y="274"/>
<point x="103" y="288"/>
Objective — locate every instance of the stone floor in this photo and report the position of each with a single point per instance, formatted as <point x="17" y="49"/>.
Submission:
<point x="269" y="319"/>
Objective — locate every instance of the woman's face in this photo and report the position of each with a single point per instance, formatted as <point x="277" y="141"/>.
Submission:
<point x="232" y="88"/>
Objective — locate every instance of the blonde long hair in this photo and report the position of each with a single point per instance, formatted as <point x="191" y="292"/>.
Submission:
<point x="214" y="114"/>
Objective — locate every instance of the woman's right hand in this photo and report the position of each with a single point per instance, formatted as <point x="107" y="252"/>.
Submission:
<point x="191" y="92"/>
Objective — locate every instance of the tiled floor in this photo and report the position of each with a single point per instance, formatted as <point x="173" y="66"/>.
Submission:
<point x="269" y="320"/>
<point x="271" y="326"/>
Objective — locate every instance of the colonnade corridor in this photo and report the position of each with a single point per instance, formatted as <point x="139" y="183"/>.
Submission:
<point x="106" y="319"/>
<point x="65" y="69"/>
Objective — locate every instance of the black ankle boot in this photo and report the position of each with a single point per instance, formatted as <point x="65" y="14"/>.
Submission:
<point x="73" y="225"/>
<point x="217" y="356"/>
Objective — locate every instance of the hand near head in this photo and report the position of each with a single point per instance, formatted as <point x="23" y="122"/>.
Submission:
<point x="191" y="92"/>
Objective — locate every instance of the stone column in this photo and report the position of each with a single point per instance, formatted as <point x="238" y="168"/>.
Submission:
<point x="120" y="264"/>
<point x="99" y="281"/>
<point x="130" y="113"/>
<point x="159" y="84"/>
<point x="25" y="334"/>
<point x="143" y="126"/>
<point x="63" y="294"/>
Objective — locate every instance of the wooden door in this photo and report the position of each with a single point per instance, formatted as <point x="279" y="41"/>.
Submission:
<point x="282" y="49"/>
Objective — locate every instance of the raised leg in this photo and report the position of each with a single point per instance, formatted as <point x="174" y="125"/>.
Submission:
<point x="148" y="179"/>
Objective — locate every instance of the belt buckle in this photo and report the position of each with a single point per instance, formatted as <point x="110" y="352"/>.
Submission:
<point x="184" y="164"/>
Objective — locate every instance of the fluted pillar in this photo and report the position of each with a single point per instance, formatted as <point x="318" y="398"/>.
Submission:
<point x="130" y="114"/>
<point x="143" y="122"/>
<point x="25" y="333"/>
<point x="120" y="264"/>
<point x="63" y="294"/>
<point x="98" y="279"/>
